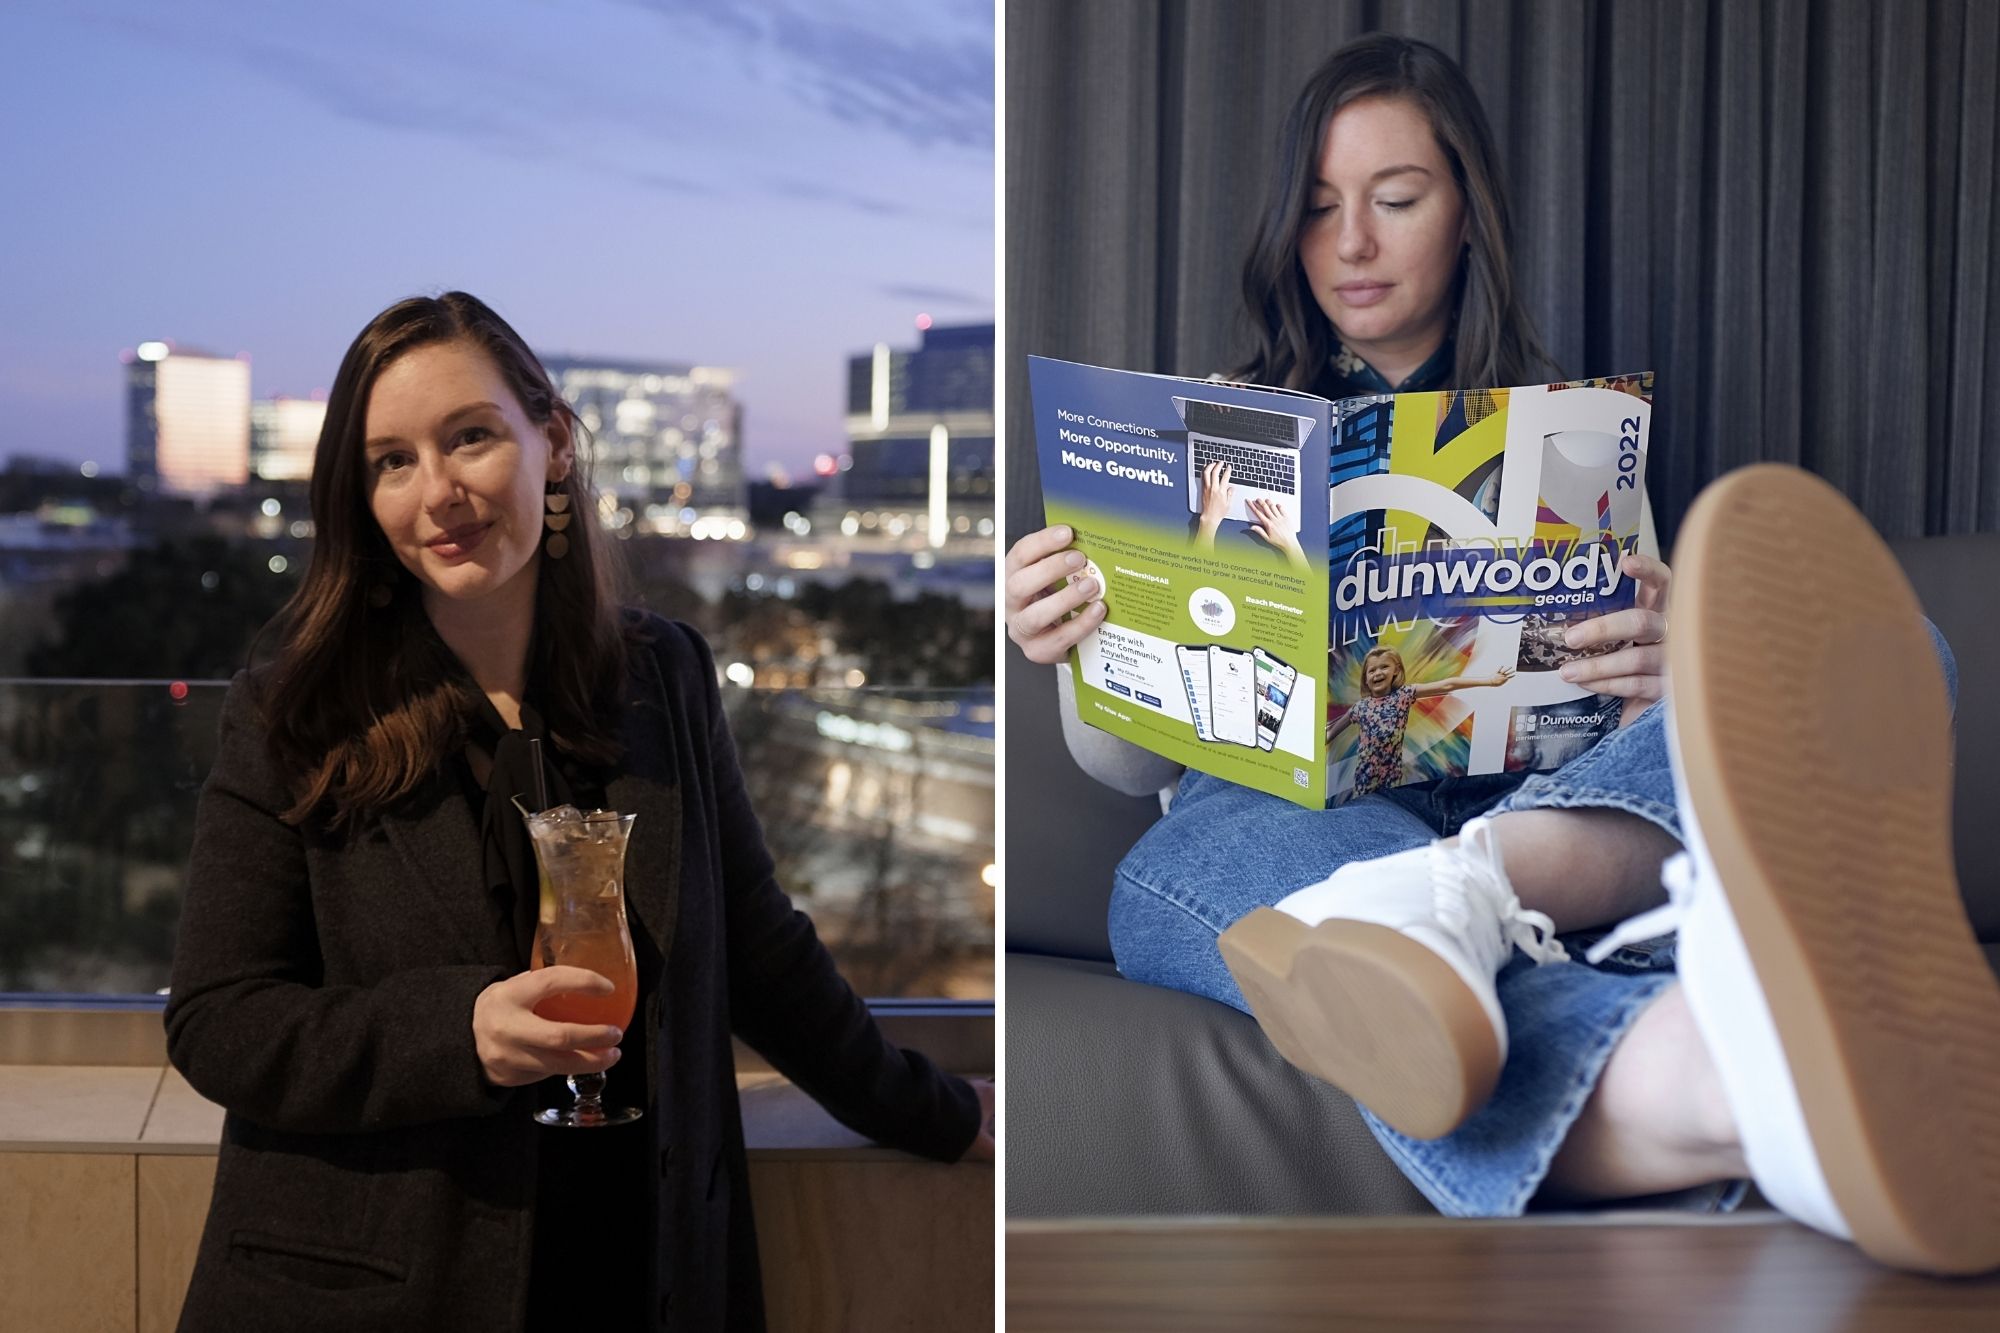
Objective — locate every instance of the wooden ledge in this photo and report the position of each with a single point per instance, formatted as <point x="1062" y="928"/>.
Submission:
<point x="148" y="1110"/>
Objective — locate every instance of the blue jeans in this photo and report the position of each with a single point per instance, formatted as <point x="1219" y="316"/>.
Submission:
<point x="1223" y="850"/>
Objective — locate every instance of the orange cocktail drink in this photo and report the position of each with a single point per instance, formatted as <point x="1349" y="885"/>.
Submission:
<point x="582" y="924"/>
<point x="594" y="936"/>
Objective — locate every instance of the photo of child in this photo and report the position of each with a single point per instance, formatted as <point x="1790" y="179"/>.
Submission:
<point x="1382" y="716"/>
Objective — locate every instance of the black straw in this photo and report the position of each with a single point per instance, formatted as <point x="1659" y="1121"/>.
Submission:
<point x="541" y="783"/>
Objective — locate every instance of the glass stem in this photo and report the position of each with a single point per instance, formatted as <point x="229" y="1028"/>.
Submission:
<point x="588" y="1090"/>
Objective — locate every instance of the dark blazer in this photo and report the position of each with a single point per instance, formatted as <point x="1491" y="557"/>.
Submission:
<point x="369" y="1177"/>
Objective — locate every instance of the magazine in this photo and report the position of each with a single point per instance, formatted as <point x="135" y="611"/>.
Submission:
<point x="1322" y="599"/>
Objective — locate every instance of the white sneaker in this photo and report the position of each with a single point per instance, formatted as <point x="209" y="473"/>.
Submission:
<point x="1728" y="1008"/>
<point x="1379" y="979"/>
<point x="1824" y="951"/>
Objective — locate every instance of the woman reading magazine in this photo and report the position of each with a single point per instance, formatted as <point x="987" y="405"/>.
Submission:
<point x="1428" y="919"/>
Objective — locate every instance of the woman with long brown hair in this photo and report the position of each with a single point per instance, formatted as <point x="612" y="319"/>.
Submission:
<point x="1392" y="945"/>
<point x="1451" y="314"/>
<point x="352" y="979"/>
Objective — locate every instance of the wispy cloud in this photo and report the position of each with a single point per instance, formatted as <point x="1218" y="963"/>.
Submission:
<point x="389" y="80"/>
<point x="666" y="181"/>
<point x="922" y="70"/>
<point x="813" y="193"/>
<point x="926" y="295"/>
<point x="924" y="75"/>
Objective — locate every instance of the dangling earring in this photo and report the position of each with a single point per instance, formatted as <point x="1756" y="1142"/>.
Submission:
<point x="556" y="519"/>
<point x="383" y="590"/>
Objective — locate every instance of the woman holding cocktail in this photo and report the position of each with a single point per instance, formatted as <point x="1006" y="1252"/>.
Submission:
<point x="353" y="979"/>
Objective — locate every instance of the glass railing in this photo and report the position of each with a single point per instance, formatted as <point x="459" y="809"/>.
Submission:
<point x="877" y="805"/>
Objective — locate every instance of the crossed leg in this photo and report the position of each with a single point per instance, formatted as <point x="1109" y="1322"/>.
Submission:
<point x="1657" y="1120"/>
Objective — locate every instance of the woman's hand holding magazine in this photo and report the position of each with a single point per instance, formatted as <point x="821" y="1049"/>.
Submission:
<point x="1038" y="599"/>
<point x="1637" y="671"/>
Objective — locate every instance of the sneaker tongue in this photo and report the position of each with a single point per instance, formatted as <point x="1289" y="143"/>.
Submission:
<point x="1494" y="922"/>
<point x="1468" y="897"/>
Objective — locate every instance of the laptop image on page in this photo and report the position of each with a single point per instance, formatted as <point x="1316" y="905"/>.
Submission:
<point x="1261" y="448"/>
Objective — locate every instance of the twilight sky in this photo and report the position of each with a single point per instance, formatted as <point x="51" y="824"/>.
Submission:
<point x="769" y="187"/>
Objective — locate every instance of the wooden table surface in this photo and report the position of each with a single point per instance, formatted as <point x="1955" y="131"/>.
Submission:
<point x="1631" y="1271"/>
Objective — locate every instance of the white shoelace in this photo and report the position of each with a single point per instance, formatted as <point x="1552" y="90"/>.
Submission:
<point x="1477" y="868"/>
<point x="1679" y="877"/>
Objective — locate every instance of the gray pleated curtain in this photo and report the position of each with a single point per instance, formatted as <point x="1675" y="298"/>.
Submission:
<point x="1784" y="208"/>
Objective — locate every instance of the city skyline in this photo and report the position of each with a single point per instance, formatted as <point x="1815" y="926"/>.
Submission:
<point x="805" y="183"/>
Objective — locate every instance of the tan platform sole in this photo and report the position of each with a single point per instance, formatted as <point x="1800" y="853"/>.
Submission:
<point x="1814" y="733"/>
<point x="1370" y="1011"/>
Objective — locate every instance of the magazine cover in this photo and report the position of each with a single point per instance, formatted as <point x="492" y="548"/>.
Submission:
<point x="1470" y="530"/>
<point x="1465" y="531"/>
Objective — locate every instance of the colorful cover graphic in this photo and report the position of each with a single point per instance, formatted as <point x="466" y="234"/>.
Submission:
<point x="1465" y="533"/>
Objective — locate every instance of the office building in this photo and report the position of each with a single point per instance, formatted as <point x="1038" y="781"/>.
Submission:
<point x="284" y="432"/>
<point x="919" y="470"/>
<point x="667" y="444"/>
<point x="187" y="420"/>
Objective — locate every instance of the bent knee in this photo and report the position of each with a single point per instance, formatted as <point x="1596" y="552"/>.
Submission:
<point x="1153" y="938"/>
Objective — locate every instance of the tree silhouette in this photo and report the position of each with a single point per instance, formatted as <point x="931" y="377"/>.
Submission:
<point x="182" y="610"/>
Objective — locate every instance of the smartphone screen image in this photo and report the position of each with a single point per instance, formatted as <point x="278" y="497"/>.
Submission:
<point x="1194" y="678"/>
<point x="1275" y="682"/>
<point x="1232" y="688"/>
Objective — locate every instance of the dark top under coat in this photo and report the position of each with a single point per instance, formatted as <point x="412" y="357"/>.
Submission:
<point x="593" y="1208"/>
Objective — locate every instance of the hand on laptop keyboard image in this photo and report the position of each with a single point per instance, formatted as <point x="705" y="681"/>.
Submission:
<point x="1271" y="523"/>
<point x="1216" y="497"/>
<point x="1270" y="520"/>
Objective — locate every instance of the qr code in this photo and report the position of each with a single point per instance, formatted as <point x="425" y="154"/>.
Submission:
<point x="1300" y="778"/>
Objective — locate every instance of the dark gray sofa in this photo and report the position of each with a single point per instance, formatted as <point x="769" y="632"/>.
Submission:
<point x="1125" y="1099"/>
